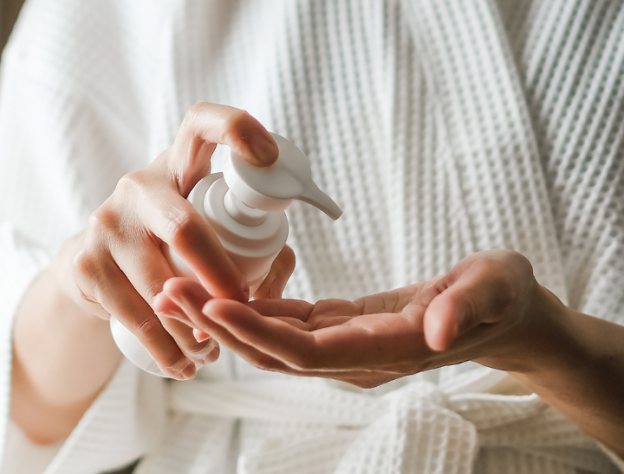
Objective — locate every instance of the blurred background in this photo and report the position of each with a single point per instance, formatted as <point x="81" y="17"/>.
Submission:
<point x="8" y="14"/>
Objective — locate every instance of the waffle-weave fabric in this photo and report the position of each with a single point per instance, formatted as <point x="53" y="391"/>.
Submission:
<point x="442" y="127"/>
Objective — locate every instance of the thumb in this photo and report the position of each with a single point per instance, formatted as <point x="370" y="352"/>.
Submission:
<point x="479" y="295"/>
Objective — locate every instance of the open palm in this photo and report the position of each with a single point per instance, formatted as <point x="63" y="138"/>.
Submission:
<point x="376" y="338"/>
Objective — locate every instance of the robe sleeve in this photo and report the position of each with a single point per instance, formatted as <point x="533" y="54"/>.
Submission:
<point x="64" y="144"/>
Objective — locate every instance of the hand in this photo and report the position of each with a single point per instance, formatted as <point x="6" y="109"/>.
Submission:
<point x="116" y="265"/>
<point x="481" y="311"/>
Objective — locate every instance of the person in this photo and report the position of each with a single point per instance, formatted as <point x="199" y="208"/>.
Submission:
<point x="442" y="325"/>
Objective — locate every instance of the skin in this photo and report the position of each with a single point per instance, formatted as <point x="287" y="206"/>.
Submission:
<point x="489" y="309"/>
<point x="64" y="353"/>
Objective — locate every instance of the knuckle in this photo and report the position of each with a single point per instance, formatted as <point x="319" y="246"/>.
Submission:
<point x="87" y="265"/>
<point x="130" y="183"/>
<point x="148" y="329"/>
<point x="102" y="222"/>
<point x="193" y="112"/>
<point x="89" y="273"/>
<point x="181" y="226"/>
<point x="152" y="289"/>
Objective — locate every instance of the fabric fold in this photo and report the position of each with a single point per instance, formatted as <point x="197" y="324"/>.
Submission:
<point x="417" y="428"/>
<point x="492" y="157"/>
<point x="126" y="421"/>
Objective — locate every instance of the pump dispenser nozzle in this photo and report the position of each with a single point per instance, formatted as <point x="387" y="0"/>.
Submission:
<point x="245" y="207"/>
<point x="272" y="188"/>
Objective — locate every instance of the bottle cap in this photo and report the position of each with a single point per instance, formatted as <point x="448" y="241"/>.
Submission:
<point x="272" y="188"/>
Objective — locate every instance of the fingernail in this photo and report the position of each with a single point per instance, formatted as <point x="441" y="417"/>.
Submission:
<point x="189" y="371"/>
<point x="214" y="354"/>
<point x="200" y="336"/>
<point x="264" y="149"/>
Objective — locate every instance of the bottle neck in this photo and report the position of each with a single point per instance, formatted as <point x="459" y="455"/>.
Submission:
<point x="241" y="212"/>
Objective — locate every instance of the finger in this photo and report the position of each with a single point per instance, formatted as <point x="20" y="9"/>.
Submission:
<point x="195" y="293"/>
<point x="281" y="270"/>
<point x="370" y="341"/>
<point x="106" y="283"/>
<point x="145" y="267"/>
<point x="195" y="296"/>
<point x="296" y="312"/>
<point x="441" y="323"/>
<point x="201" y="336"/>
<point x="318" y="315"/>
<point x="186" y="296"/>
<point x="174" y="220"/>
<point x="387" y="302"/>
<point x="257" y="358"/>
<point x="162" y="304"/>
<point x="206" y="125"/>
<point x="342" y="349"/>
<point x="166" y="303"/>
<point x="298" y="309"/>
<point x="147" y="270"/>
<point x="423" y="295"/>
<point x="204" y="352"/>
<point x="169" y="307"/>
<point x="246" y="351"/>
<point x="190" y="298"/>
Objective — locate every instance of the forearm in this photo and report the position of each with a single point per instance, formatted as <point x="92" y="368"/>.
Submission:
<point x="576" y="364"/>
<point x="62" y="359"/>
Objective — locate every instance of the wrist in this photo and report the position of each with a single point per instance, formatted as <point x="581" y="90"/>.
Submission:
<point x="62" y="358"/>
<point x="543" y="339"/>
<point x="63" y="293"/>
<point x="63" y="352"/>
<point x="575" y="363"/>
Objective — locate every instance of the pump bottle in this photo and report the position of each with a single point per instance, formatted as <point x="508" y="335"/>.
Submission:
<point x="245" y="206"/>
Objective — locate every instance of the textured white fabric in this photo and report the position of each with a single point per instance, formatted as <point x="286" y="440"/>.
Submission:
<point x="441" y="126"/>
<point x="25" y="455"/>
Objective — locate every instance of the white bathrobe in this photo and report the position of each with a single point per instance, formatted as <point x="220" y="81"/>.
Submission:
<point x="442" y="127"/>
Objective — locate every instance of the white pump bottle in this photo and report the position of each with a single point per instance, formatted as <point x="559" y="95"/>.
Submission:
<point x="245" y="206"/>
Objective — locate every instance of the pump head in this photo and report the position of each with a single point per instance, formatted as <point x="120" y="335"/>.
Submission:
<point x="272" y="188"/>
